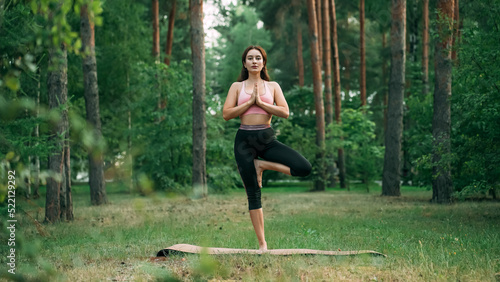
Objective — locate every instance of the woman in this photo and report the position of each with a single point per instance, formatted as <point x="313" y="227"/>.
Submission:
<point x="255" y="138"/>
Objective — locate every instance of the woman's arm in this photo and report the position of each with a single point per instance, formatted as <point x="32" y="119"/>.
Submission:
<point x="231" y="109"/>
<point x="281" y="107"/>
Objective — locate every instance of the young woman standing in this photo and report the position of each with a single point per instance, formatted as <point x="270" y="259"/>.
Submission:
<point x="255" y="100"/>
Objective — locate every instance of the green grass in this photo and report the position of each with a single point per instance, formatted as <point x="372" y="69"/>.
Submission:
<point x="423" y="241"/>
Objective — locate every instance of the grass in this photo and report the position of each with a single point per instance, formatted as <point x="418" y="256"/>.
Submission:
<point x="423" y="241"/>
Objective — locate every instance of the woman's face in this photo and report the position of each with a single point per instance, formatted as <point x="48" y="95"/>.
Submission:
<point x="254" y="62"/>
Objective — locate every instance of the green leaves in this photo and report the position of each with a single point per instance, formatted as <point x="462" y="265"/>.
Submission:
<point x="475" y="103"/>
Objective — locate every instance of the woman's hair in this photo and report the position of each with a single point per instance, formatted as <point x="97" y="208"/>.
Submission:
<point x="244" y="72"/>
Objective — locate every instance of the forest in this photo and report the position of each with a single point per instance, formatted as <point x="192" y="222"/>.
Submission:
<point x="96" y="95"/>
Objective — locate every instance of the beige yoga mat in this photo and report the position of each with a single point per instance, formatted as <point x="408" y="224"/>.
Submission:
<point x="192" y="249"/>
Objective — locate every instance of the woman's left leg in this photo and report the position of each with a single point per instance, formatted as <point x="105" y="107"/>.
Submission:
<point x="279" y="157"/>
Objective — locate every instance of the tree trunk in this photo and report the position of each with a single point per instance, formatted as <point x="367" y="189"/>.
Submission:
<point x="170" y="34"/>
<point x="67" y="209"/>
<point x="327" y="57"/>
<point x="298" y="31"/>
<point x="57" y="82"/>
<point x="319" y="184"/>
<point x="336" y="90"/>
<point x="156" y="53"/>
<point x="362" y="79"/>
<point x="384" y="80"/>
<point x="392" y="158"/>
<point x="425" y="49"/>
<point x="300" y="57"/>
<point x="327" y="62"/>
<point x="156" y="31"/>
<point x="199" y="179"/>
<point x="319" y="29"/>
<point x="91" y="93"/>
<point x="442" y="186"/>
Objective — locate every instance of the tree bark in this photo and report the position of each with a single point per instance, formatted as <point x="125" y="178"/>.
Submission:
<point x="392" y="158"/>
<point x="327" y="57"/>
<point x="170" y="34"/>
<point x="425" y="48"/>
<point x="320" y="183"/>
<point x="442" y="186"/>
<point x="300" y="57"/>
<point x="319" y="28"/>
<point x="66" y="198"/>
<point x="91" y="93"/>
<point x="298" y="31"/>
<point x="57" y="81"/>
<point x="362" y="80"/>
<point x="327" y="63"/>
<point x="336" y="91"/>
<point x="156" y="31"/>
<point x="384" y="80"/>
<point x="199" y="179"/>
<point x="156" y="53"/>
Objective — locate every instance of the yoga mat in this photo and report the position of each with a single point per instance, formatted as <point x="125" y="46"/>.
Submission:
<point x="192" y="249"/>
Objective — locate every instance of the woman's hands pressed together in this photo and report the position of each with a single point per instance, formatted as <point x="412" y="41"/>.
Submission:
<point x="256" y="96"/>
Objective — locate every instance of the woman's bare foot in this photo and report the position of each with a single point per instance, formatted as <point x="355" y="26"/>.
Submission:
<point x="259" y="170"/>
<point x="263" y="247"/>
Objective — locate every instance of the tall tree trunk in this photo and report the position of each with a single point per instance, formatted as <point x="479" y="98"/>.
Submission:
<point x="91" y="92"/>
<point x="320" y="183"/>
<point x="156" y="53"/>
<point x="156" y="30"/>
<point x="300" y="57"/>
<point x="170" y="33"/>
<point x="57" y="82"/>
<point x="392" y="158"/>
<point x="327" y="57"/>
<point x="336" y="90"/>
<point x="362" y="68"/>
<point x="384" y="80"/>
<point x="298" y="30"/>
<point x="327" y="62"/>
<point x="442" y="186"/>
<point x="319" y="27"/>
<point x="199" y="179"/>
<point x="67" y="209"/>
<point x="425" y="48"/>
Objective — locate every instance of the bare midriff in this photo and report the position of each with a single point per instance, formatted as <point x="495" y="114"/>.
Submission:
<point x="254" y="119"/>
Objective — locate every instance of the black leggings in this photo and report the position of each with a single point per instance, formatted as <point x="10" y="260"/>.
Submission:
<point x="251" y="144"/>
